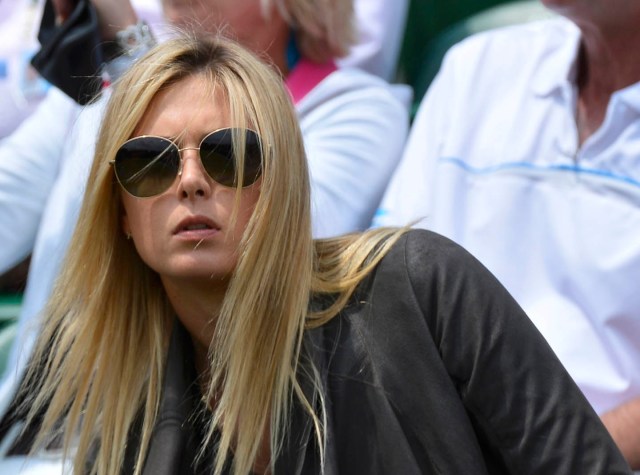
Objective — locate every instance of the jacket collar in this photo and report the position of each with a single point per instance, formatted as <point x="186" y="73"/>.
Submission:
<point x="179" y="405"/>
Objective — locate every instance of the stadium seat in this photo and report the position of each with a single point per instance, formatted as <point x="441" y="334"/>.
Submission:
<point x="9" y="311"/>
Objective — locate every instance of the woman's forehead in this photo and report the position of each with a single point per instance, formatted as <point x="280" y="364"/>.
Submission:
<point x="191" y="103"/>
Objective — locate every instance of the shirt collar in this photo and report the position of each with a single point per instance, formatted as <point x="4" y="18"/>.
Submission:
<point x="557" y="67"/>
<point x="630" y="95"/>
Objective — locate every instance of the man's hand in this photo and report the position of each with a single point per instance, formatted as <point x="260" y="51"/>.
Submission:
<point x="63" y="9"/>
<point x="113" y="15"/>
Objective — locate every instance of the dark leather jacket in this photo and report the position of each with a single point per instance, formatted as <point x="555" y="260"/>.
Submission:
<point x="432" y="368"/>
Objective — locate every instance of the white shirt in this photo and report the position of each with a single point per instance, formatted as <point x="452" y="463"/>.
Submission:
<point x="493" y="163"/>
<point x="380" y="28"/>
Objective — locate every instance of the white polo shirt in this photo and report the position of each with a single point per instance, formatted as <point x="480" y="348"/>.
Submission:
<point x="493" y="163"/>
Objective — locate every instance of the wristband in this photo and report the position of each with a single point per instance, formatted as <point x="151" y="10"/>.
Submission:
<point x="135" y="38"/>
<point x="130" y="44"/>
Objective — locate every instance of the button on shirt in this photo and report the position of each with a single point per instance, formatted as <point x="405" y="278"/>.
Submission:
<point x="493" y="163"/>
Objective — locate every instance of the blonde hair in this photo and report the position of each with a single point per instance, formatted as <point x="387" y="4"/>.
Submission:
<point x="100" y="357"/>
<point x="324" y="28"/>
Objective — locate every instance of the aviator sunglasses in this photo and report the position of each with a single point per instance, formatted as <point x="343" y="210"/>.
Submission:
<point x="148" y="165"/>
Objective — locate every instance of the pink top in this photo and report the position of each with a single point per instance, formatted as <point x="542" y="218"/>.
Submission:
<point x="305" y="76"/>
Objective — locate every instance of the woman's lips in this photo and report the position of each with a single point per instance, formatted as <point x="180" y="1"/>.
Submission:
<point x="196" y="227"/>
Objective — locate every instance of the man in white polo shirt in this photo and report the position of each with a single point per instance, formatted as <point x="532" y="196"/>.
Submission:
<point x="526" y="150"/>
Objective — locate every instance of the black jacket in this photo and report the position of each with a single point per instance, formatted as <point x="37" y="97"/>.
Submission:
<point x="432" y="368"/>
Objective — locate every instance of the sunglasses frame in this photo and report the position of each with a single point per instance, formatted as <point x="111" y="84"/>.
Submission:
<point x="171" y="143"/>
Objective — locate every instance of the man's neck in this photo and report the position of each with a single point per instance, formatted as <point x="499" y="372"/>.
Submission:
<point x="607" y="63"/>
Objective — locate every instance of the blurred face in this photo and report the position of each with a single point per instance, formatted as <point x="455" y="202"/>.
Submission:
<point x="242" y="20"/>
<point x="571" y="8"/>
<point x="606" y="14"/>
<point x="186" y="233"/>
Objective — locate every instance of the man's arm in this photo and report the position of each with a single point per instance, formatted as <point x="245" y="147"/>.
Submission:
<point x="29" y="163"/>
<point x="623" y="423"/>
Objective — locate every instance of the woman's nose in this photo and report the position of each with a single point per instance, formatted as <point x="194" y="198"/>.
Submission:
<point x="194" y="180"/>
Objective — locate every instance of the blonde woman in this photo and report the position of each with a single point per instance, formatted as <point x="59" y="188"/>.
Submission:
<point x="198" y="328"/>
<point x="353" y="126"/>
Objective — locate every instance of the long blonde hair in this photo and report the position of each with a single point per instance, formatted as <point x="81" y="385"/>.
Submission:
<point x="99" y="359"/>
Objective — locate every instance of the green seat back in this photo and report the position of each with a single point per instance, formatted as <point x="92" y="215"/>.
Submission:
<point x="426" y="19"/>
<point x="9" y="311"/>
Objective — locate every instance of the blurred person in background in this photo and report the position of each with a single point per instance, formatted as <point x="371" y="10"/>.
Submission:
<point x="526" y="151"/>
<point x="22" y="89"/>
<point x="21" y="86"/>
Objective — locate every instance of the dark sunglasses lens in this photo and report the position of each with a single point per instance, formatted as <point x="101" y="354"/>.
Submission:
<point x="216" y="151"/>
<point x="147" y="166"/>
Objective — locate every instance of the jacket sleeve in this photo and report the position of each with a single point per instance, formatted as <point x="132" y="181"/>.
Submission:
<point x="29" y="162"/>
<point x="524" y="407"/>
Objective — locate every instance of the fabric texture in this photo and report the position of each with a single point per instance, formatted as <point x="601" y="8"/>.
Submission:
<point x="493" y="163"/>
<point x="431" y="368"/>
